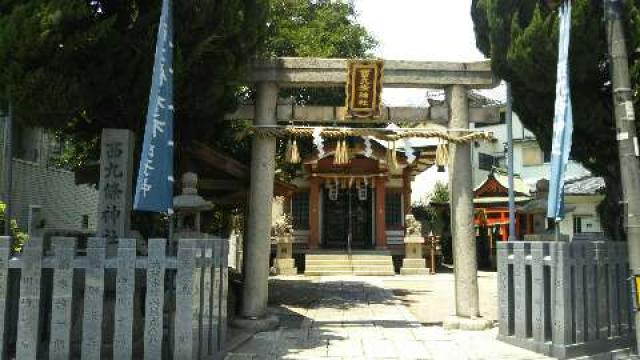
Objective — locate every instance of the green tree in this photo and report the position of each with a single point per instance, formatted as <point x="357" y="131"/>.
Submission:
<point x="314" y="28"/>
<point x="521" y="39"/>
<point x="77" y="66"/>
<point x="19" y="238"/>
<point x="321" y="28"/>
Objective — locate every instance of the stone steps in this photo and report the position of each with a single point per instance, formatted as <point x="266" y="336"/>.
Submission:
<point x="347" y="262"/>
<point x="363" y="264"/>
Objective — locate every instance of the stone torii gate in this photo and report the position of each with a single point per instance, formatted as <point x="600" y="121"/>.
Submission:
<point x="456" y="78"/>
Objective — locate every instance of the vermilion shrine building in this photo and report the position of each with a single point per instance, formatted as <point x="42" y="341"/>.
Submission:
<point x="367" y="195"/>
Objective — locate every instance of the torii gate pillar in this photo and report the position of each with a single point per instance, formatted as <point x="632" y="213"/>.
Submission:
<point x="258" y="245"/>
<point x="467" y="315"/>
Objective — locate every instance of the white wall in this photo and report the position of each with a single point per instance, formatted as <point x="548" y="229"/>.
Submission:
<point x="580" y="206"/>
<point x="584" y="206"/>
<point x="522" y="138"/>
<point x="36" y="183"/>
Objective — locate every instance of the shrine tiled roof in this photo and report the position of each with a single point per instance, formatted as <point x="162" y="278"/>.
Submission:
<point x="584" y="185"/>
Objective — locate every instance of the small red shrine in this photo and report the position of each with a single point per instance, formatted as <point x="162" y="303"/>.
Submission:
<point x="491" y="205"/>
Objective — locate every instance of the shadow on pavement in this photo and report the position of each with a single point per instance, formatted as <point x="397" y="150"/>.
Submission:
<point x="325" y="319"/>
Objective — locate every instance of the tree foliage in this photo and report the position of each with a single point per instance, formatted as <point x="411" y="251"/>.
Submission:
<point x="316" y="28"/>
<point x="78" y="66"/>
<point x="19" y="237"/>
<point x="521" y="39"/>
<point x="323" y="28"/>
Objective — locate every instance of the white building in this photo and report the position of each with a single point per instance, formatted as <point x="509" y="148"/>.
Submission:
<point x="42" y="191"/>
<point x="583" y="192"/>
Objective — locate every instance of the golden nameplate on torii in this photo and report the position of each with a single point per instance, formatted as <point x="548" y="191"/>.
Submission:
<point x="364" y="89"/>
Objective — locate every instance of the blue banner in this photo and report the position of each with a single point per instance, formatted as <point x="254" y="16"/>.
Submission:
<point x="563" y="118"/>
<point x="154" y="188"/>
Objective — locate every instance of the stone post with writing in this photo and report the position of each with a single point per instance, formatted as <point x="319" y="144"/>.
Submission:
<point x="114" y="211"/>
<point x="115" y="190"/>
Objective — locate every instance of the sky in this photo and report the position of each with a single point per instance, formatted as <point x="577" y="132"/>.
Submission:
<point x="434" y="30"/>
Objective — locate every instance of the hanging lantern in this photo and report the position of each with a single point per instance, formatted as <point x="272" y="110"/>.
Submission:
<point x="362" y="191"/>
<point x="333" y="190"/>
<point x="442" y="157"/>
<point x="333" y="194"/>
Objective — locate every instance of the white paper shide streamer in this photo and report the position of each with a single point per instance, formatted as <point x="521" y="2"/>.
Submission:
<point x="408" y="151"/>
<point x="368" y="151"/>
<point x="318" y="142"/>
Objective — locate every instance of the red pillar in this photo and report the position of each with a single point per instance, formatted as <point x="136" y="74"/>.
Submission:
<point x="381" y="237"/>
<point x="314" y="214"/>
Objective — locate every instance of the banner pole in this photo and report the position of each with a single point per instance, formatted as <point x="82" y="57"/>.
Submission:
<point x="512" y="201"/>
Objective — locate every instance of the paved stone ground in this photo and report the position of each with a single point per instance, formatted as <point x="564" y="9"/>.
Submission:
<point x="368" y="318"/>
<point x="420" y="294"/>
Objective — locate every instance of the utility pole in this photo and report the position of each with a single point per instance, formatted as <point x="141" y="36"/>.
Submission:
<point x="626" y="136"/>
<point x="8" y="169"/>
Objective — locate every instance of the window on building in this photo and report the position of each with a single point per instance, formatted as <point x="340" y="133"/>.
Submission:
<point x="532" y="156"/>
<point x="85" y="221"/>
<point x="486" y="161"/>
<point x="300" y="210"/>
<point x="393" y="209"/>
<point x="585" y="224"/>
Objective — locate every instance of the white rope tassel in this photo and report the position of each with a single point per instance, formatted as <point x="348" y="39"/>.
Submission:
<point x="442" y="156"/>
<point x="337" y="158"/>
<point x="295" y="153"/>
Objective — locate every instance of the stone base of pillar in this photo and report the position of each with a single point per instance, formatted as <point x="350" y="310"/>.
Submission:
<point x="465" y="323"/>
<point x="414" y="267"/>
<point x="267" y="323"/>
<point x="285" y="267"/>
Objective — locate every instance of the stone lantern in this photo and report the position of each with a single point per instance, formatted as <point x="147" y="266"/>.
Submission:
<point x="187" y="207"/>
<point x="413" y="262"/>
<point x="282" y="230"/>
